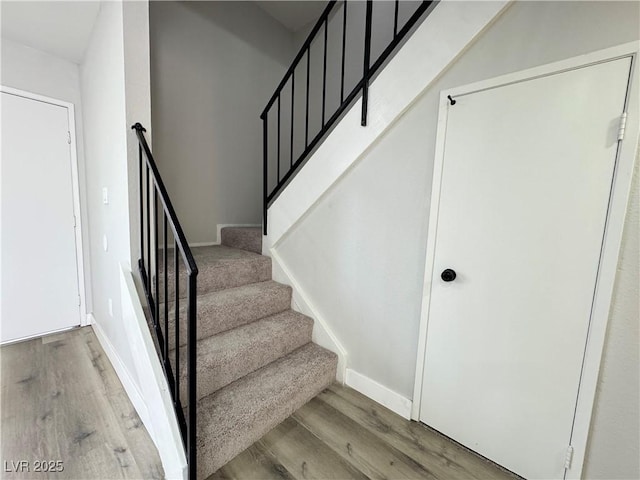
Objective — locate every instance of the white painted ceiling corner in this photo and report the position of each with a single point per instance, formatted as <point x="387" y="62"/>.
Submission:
<point x="60" y="28"/>
<point x="293" y="14"/>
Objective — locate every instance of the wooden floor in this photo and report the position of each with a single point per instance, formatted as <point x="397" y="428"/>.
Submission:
<point x="341" y="434"/>
<point x="62" y="401"/>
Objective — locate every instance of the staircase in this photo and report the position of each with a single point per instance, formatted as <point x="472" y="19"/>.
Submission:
<point x="237" y="359"/>
<point x="255" y="361"/>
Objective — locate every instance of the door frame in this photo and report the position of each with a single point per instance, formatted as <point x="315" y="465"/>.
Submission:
<point x="75" y="181"/>
<point x="614" y="226"/>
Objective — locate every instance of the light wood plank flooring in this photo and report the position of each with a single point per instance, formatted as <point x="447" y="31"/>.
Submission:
<point x="62" y="401"/>
<point x="342" y="434"/>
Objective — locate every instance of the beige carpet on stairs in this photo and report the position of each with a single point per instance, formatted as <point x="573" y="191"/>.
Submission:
<point x="256" y="363"/>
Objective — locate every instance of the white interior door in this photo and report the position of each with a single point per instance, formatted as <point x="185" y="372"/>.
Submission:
<point x="39" y="292"/>
<point x="525" y="186"/>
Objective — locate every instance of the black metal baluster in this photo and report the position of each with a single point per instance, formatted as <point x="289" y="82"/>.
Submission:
<point x="344" y="42"/>
<point x="155" y="260"/>
<point x="306" y="120"/>
<point x="154" y="189"/>
<point x="278" y="139"/>
<point x="148" y="267"/>
<point x="395" y="19"/>
<point x="191" y="374"/>
<point x="166" y="290"/>
<point x="141" y="208"/>
<point x="176" y="374"/>
<point x="347" y="94"/>
<point x="293" y="92"/>
<point x="324" y="70"/>
<point x="402" y="32"/>
<point x="367" y="58"/>
<point x="265" y="174"/>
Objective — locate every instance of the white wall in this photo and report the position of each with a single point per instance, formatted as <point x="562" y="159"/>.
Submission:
<point x="114" y="79"/>
<point x="359" y="251"/>
<point x="615" y="428"/>
<point x="214" y="66"/>
<point x="137" y="83"/>
<point x="38" y="72"/>
<point x="357" y="254"/>
<point x="116" y="92"/>
<point x="423" y="58"/>
<point x="103" y="94"/>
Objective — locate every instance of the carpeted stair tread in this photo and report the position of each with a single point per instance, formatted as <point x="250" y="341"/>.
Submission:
<point x="230" y="308"/>
<point x="224" y="358"/>
<point x="245" y="238"/>
<point x="220" y="267"/>
<point x="236" y="416"/>
<point x="255" y="364"/>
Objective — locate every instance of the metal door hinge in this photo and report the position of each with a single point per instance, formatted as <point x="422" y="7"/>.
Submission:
<point x="623" y="125"/>
<point x="69" y="137"/>
<point x="568" y="457"/>
<point x="75" y="224"/>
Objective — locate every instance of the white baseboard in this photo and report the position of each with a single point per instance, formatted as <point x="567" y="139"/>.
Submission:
<point x="322" y="333"/>
<point x="129" y="385"/>
<point x="203" y="244"/>
<point x="379" y="393"/>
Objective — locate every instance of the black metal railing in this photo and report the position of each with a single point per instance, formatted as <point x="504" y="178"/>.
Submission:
<point x="386" y="22"/>
<point x="159" y="285"/>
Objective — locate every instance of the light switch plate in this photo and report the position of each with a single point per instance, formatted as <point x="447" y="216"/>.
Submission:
<point x="105" y="195"/>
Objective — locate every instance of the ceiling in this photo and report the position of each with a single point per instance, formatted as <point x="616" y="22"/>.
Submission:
<point x="61" y="28"/>
<point x="293" y="14"/>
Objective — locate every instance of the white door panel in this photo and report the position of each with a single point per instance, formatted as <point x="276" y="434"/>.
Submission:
<point x="39" y="269"/>
<point x="525" y="185"/>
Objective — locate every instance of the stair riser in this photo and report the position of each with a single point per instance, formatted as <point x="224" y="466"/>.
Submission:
<point x="216" y="369"/>
<point x="249" y="239"/>
<point x="219" y="277"/>
<point x="230" y="312"/>
<point x="245" y="436"/>
<point x="255" y="363"/>
<point x="229" y="425"/>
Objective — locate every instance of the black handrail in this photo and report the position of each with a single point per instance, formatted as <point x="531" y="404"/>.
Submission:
<point x="151" y="187"/>
<point x="369" y="70"/>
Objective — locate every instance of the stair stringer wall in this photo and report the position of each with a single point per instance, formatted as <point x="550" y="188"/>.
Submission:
<point x="146" y="386"/>
<point x="425" y="55"/>
<point x="300" y="302"/>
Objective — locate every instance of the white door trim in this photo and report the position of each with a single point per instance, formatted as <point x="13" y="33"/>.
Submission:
<point x="75" y="180"/>
<point x="611" y="243"/>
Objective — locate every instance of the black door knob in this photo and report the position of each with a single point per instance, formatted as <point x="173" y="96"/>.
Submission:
<point x="448" y="275"/>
